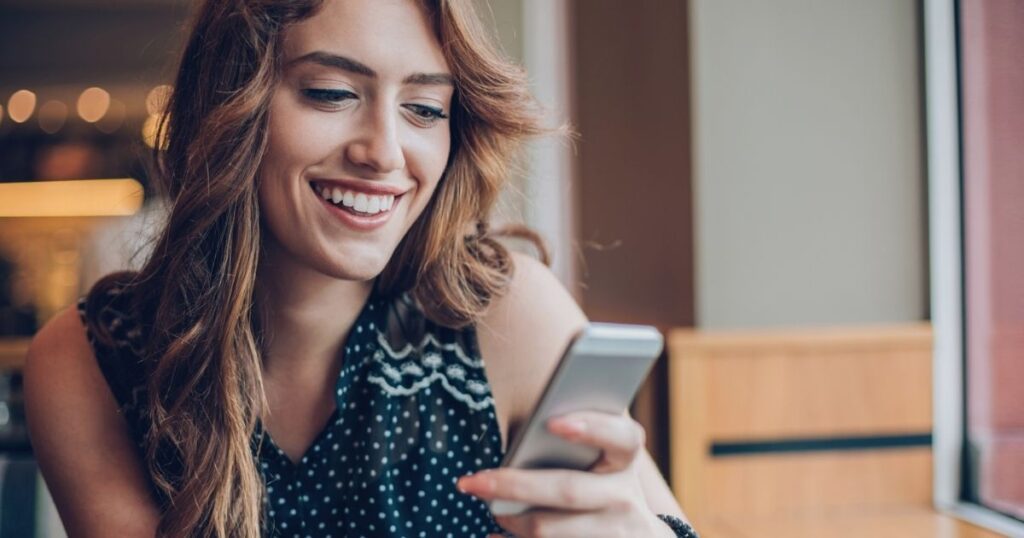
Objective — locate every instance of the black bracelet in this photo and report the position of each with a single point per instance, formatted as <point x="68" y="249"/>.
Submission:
<point x="678" y="526"/>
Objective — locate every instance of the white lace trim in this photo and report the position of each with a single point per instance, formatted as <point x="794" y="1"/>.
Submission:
<point x="473" y="386"/>
<point x="398" y="365"/>
<point x="428" y="339"/>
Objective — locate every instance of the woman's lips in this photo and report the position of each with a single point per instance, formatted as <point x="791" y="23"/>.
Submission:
<point x="375" y="187"/>
<point x="349" y="216"/>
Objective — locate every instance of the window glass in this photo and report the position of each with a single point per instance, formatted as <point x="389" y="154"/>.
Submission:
<point x="992" y="83"/>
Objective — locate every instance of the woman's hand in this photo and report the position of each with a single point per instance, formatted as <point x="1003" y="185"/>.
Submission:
<point x="607" y="500"/>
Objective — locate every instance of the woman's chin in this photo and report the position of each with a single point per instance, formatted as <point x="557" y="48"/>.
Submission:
<point x="355" y="266"/>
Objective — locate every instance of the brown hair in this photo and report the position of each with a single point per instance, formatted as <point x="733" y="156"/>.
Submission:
<point x="194" y="295"/>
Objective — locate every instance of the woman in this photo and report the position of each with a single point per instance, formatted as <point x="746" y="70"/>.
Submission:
<point x="303" y="353"/>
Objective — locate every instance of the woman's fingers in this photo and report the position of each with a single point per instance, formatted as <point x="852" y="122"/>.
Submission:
<point x="618" y="436"/>
<point x="558" y="493"/>
<point x="548" y="488"/>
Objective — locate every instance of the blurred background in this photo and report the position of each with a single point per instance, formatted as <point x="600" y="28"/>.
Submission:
<point x="821" y="204"/>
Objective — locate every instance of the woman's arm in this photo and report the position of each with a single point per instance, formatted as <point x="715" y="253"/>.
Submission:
<point x="657" y="494"/>
<point x="81" y="441"/>
<point x="524" y="335"/>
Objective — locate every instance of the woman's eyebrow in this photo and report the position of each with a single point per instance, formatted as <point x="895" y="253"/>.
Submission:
<point x="345" y="63"/>
<point x="430" y="79"/>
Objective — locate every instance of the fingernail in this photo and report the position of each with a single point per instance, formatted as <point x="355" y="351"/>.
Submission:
<point x="476" y="484"/>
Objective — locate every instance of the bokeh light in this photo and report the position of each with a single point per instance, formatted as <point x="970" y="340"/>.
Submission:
<point x="21" y="105"/>
<point x="156" y="99"/>
<point x="93" y="104"/>
<point x="52" y="115"/>
<point x="149" y="131"/>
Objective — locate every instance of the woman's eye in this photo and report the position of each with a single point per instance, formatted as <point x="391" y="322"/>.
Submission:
<point x="328" y="96"/>
<point x="427" y="114"/>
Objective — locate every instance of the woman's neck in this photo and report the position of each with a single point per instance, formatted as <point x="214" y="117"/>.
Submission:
<point x="305" y="315"/>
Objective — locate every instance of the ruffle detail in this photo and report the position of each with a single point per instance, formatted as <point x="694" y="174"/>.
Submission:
<point x="412" y="368"/>
<point x="119" y="355"/>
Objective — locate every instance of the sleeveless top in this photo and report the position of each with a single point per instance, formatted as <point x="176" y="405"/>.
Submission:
<point x="414" y="413"/>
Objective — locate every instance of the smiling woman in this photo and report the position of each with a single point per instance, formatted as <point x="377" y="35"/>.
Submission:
<point x="327" y="336"/>
<point x="359" y="119"/>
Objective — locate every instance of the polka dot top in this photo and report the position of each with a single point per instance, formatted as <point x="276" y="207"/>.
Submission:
<point x="414" y="413"/>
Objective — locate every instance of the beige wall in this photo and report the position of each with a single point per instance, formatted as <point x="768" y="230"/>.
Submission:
<point x="808" y="167"/>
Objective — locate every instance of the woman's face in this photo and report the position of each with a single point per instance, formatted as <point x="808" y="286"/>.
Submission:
<point x="358" y="135"/>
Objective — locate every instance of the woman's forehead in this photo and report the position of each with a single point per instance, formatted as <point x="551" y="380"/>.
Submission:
<point x="392" y="37"/>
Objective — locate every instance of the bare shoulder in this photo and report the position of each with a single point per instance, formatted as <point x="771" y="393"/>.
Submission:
<point x="59" y="345"/>
<point x="524" y="333"/>
<point x="535" y="307"/>
<point x="80" y="439"/>
<point x="61" y="372"/>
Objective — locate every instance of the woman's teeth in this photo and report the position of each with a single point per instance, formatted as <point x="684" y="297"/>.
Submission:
<point x="358" y="201"/>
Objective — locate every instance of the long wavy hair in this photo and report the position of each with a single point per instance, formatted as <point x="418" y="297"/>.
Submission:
<point x="194" y="295"/>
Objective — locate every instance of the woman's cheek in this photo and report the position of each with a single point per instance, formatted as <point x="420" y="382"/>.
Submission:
<point x="431" y="150"/>
<point x="306" y="137"/>
<point x="298" y="133"/>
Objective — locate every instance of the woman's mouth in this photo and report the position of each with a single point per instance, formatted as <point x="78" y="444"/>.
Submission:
<point x="357" y="203"/>
<point x="358" y="210"/>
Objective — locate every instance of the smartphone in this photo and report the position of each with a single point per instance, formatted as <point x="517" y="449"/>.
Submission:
<point x="601" y="370"/>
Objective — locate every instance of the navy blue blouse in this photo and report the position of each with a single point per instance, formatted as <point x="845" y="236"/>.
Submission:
<point x="414" y="413"/>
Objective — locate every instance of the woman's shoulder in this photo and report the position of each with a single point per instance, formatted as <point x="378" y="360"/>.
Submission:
<point x="64" y="353"/>
<point x="535" y="304"/>
<point x="67" y="342"/>
<point x="62" y="381"/>
<point x="101" y="331"/>
<point x="524" y="332"/>
<point x="69" y="406"/>
<point x="59" y="345"/>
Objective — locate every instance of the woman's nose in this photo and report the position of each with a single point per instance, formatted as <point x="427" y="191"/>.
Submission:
<point x="377" y="147"/>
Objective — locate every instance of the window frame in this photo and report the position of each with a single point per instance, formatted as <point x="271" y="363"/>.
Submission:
<point x="946" y="245"/>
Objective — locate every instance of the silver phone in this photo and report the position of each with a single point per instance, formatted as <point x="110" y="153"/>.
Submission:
<point x="601" y="370"/>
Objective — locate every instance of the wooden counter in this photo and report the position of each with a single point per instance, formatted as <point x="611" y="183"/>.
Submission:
<point x="806" y="433"/>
